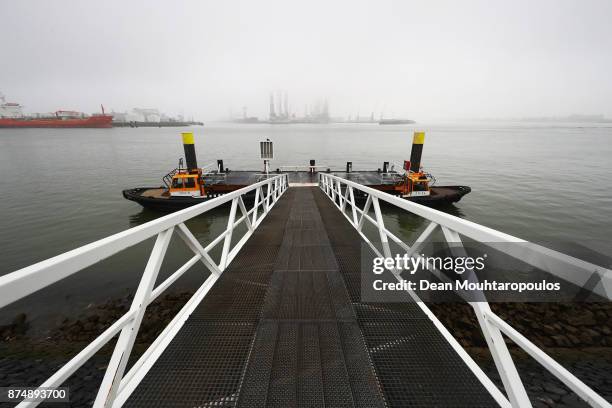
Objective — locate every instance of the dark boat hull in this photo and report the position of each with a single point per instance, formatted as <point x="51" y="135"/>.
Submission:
<point x="442" y="195"/>
<point x="439" y="196"/>
<point x="170" y="204"/>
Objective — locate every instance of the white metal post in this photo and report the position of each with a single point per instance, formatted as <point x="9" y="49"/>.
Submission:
<point x="381" y="228"/>
<point x="345" y="199"/>
<point x="495" y="340"/>
<point x="333" y="190"/>
<point x="339" y="193"/>
<point x="228" y="236"/>
<point x="264" y="201"/>
<point x="274" y="191"/>
<point x="268" y="192"/>
<point x="276" y="184"/>
<point x="123" y="348"/>
<point x="256" y="206"/>
<point x="352" y="198"/>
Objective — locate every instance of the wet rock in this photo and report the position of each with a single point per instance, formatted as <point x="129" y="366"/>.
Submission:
<point x="572" y="401"/>
<point x="93" y="318"/>
<point x="89" y="326"/>
<point x="587" y="338"/>
<point x="584" y="319"/>
<point x="18" y="327"/>
<point x="544" y="402"/>
<point x="552" y="388"/>
<point x="562" y="341"/>
<point x="538" y="321"/>
<point x="570" y="329"/>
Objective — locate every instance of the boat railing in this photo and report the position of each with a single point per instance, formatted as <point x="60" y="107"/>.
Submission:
<point x="342" y="192"/>
<point x="304" y="167"/>
<point x="116" y="386"/>
<point x="211" y="168"/>
<point x="167" y="179"/>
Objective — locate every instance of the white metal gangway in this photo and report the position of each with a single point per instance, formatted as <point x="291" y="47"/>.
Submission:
<point x="116" y="387"/>
<point x="343" y="193"/>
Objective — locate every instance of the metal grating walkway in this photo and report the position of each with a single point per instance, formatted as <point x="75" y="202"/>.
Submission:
<point x="284" y="327"/>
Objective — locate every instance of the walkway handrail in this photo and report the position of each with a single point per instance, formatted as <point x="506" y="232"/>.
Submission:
<point x="342" y="192"/>
<point x="116" y="387"/>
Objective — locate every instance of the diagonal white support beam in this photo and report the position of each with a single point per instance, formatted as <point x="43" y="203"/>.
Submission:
<point x="333" y="191"/>
<point x="150" y="356"/>
<point x="345" y="199"/>
<point x="380" y="223"/>
<point x="193" y="244"/>
<point x="245" y="213"/>
<point x="353" y="205"/>
<point x="123" y="348"/>
<point x="268" y="192"/>
<point x="420" y="241"/>
<point x="227" y="243"/>
<point x="276" y="189"/>
<point x="264" y="199"/>
<point x="493" y="336"/>
<point x="256" y="205"/>
<point x="339" y="191"/>
<point x="573" y="383"/>
<point x="366" y="209"/>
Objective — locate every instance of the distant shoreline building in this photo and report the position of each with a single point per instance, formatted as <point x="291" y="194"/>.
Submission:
<point x="144" y="115"/>
<point x="279" y="111"/>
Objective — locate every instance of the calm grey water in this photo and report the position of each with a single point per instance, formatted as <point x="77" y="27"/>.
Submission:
<point x="62" y="188"/>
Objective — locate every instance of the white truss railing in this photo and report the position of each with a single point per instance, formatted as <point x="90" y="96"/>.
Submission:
<point x="117" y="387"/>
<point x="342" y="192"/>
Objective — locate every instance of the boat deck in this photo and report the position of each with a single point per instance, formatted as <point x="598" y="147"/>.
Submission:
<point x="285" y="327"/>
<point x="246" y="177"/>
<point x="155" y="193"/>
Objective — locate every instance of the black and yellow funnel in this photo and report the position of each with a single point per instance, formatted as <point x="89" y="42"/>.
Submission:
<point x="417" y="151"/>
<point x="190" y="154"/>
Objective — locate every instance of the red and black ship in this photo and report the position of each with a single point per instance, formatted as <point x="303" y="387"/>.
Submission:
<point x="12" y="116"/>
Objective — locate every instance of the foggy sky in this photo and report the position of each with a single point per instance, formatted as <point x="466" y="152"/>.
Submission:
<point x="422" y="60"/>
